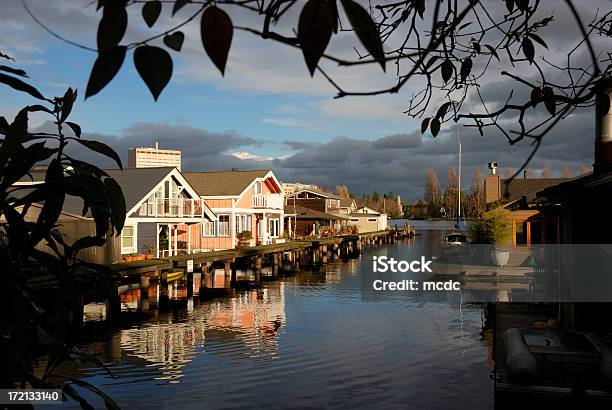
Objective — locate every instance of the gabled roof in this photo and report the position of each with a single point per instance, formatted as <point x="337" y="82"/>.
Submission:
<point x="301" y="212"/>
<point x="314" y="191"/>
<point x="528" y="188"/>
<point x="223" y="183"/>
<point x="136" y="183"/>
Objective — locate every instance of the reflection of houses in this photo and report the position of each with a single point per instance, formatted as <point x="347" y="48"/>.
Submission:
<point x="529" y="224"/>
<point x="368" y="220"/>
<point x="254" y="318"/>
<point x="243" y="201"/>
<point x="163" y="211"/>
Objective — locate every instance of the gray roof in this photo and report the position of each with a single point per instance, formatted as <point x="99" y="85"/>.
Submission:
<point x="301" y="212"/>
<point x="136" y="183"/>
<point x="223" y="183"/>
<point x="528" y="188"/>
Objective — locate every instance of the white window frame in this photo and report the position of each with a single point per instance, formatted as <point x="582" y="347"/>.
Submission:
<point x="124" y="248"/>
<point x="221" y="230"/>
<point x="274" y="227"/>
<point x="209" y="228"/>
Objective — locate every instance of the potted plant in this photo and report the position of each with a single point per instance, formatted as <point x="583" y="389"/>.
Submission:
<point x="244" y="238"/>
<point x="495" y="229"/>
<point x="149" y="252"/>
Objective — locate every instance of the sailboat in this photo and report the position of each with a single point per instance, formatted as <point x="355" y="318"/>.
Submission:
<point x="456" y="238"/>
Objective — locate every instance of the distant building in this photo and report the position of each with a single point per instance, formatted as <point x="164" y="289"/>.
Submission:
<point x="145" y="157"/>
<point x="368" y="220"/>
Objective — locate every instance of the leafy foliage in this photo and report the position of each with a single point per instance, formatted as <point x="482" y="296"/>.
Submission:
<point x="41" y="289"/>
<point x="495" y="228"/>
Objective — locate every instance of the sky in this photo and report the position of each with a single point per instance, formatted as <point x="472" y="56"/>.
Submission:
<point x="267" y="112"/>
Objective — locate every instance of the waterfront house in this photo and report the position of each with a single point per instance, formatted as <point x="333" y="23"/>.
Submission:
<point x="529" y="225"/>
<point x="160" y="207"/>
<point x="310" y="196"/>
<point x="164" y="212"/>
<point x="247" y="203"/>
<point x="306" y="222"/>
<point x="367" y="220"/>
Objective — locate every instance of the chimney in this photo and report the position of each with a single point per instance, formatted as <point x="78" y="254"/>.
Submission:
<point x="492" y="184"/>
<point x="524" y="174"/>
<point x="156" y="144"/>
<point x="603" y="128"/>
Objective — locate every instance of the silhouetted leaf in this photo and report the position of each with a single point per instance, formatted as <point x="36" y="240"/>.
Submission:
<point x="67" y="103"/>
<point x="216" y="30"/>
<point x="314" y="31"/>
<point x="19" y="85"/>
<point x="54" y="202"/>
<point x="443" y="109"/>
<point x="87" y="242"/>
<point x="476" y="47"/>
<point x="365" y="29"/>
<point x="446" y="68"/>
<point x="154" y="65"/>
<point x="179" y="4"/>
<point x="492" y="51"/>
<point x="538" y="40"/>
<point x="424" y="125"/>
<point x="466" y="68"/>
<point x="420" y="7"/>
<point x="103" y="149"/>
<point x="174" y="40"/>
<point x="112" y="26"/>
<point x="549" y="100"/>
<point x="37" y="107"/>
<point x="603" y="104"/>
<point x="118" y="208"/>
<point x="75" y="128"/>
<point x="522" y="4"/>
<point x="334" y="6"/>
<point x="15" y="71"/>
<point x="510" y="5"/>
<point x="536" y="95"/>
<point x="528" y="49"/>
<point x="104" y="70"/>
<point x="435" y="127"/>
<point x="151" y="11"/>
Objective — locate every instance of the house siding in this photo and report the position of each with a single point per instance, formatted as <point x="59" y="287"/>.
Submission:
<point x="146" y="236"/>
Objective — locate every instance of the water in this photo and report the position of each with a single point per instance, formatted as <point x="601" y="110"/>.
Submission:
<point x="305" y="341"/>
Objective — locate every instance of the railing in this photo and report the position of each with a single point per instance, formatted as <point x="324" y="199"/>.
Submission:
<point x="174" y="207"/>
<point x="272" y="201"/>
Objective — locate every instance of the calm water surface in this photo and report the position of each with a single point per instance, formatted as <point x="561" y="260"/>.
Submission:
<point x="304" y="341"/>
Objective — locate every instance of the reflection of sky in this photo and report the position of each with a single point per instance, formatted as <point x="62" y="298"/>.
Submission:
<point x="329" y="349"/>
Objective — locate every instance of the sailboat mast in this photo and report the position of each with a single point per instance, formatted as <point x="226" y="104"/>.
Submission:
<point x="459" y="183"/>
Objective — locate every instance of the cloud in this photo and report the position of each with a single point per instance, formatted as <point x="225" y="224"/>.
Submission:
<point x="288" y="122"/>
<point x="248" y="156"/>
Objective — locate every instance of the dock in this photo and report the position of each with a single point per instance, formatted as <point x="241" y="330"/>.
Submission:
<point x="273" y="259"/>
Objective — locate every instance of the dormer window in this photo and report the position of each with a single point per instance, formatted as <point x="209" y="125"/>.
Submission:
<point x="257" y="188"/>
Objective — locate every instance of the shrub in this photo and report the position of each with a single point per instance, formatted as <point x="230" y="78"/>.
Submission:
<point x="495" y="228"/>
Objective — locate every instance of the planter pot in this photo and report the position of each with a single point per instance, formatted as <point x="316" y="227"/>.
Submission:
<point x="128" y="259"/>
<point x="139" y="258"/>
<point x="500" y="258"/>
<point x="149" y="256"/>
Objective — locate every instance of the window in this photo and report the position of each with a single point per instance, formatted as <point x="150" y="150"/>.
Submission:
<point x="243" y="223"/>
<point x="224" y="222"/>
<point x="257" y="188"/>
<point x="127" y="239"/>
<point x="274" y="227"/>
<point x="520" y="229"/>
<point x="208" y="228"/>
<point x="371" y="220"/>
